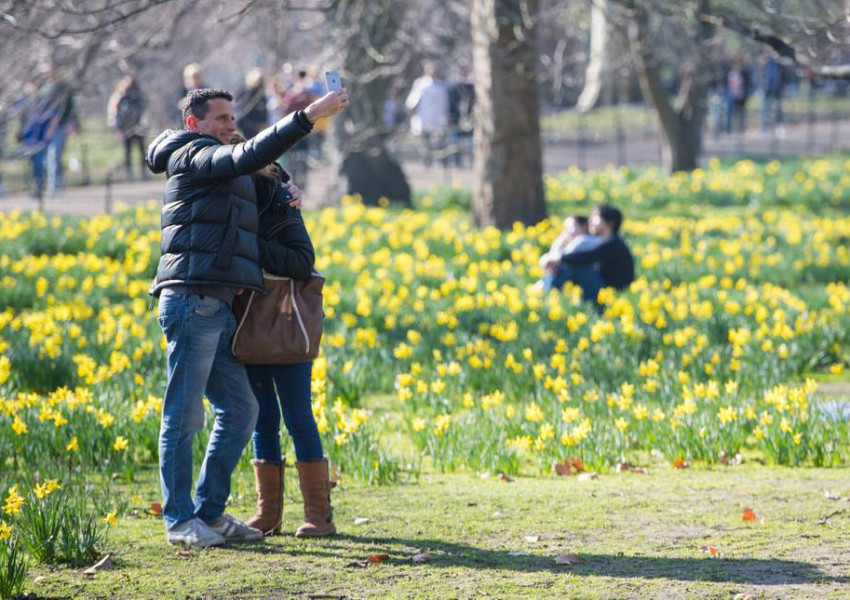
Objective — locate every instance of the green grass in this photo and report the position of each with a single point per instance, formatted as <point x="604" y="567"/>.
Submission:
<point x="638" y="535"/>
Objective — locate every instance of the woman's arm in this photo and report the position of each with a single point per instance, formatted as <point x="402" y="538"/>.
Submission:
<point x="290" y="252"/>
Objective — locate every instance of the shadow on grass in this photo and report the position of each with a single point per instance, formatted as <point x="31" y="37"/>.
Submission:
<point x="448" y="554"/>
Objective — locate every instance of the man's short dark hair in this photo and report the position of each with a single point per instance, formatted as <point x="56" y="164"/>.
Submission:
<point x="581" y="220"/>
<point x="195" y="102"/>
<point x="611" y="215"/>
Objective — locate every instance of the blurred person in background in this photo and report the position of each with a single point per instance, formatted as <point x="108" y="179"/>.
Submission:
<point x="193" y="79"/>
<point x="428" y="104"/>
<point x="772" y="89"/>
<point x="251" y="107"/>
<point x="298" y="97"/>
<point x="461" y="116"/>
<point x="738" y="91"/>
<point x="125" y="113"/>
<point x="64" y="123"/>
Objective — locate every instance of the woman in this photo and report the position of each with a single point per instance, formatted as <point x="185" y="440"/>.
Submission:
<point x="286" y="251"/>
<point x="125" y="113"/>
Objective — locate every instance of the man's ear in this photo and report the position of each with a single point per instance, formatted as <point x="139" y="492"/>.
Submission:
<point x="192" y="123"/>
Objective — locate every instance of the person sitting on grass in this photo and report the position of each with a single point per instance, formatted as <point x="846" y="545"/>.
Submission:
<point x="609" y="264"/>
<point x="574" y="237"/>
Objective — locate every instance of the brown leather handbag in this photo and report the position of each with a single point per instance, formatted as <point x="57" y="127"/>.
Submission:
<point x="283" y="326"/>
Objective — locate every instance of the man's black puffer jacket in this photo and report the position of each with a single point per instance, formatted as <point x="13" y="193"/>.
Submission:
<point x="209" y="213"/>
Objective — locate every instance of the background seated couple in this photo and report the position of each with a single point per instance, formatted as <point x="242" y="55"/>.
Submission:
<point x="590" y="253"/>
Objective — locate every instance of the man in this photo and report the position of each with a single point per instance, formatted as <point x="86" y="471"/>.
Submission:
<point x="428" y="101"/>
<point x="210" y="254"/>
<point x="609" y="264"/>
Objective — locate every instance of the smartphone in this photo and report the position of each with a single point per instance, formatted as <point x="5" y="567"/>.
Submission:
<point x="333" y="81"/>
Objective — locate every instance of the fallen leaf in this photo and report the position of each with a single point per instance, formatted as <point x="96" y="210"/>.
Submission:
<point x="155" y="509"/>
<point x="362" y="520"/>
<point x="505" y="478"/>
<point x="517" y="553"/>
<point x="377" y="558"/>
<point x="568" y="559"/>
<point x="588" y="476"/>
<point x="710" y="550"/>
<point x="749" y="515"/>
<point x="532" y="538"/>
<point x="681" y="463"/>
<point x="569" y="467"/>
<point x="184" y="553"/>
<point x="358" y="564"/>
<point x="830" y="496"/>
<point x="39" y="578"/>
<point x="420" y="558"/>
<point x="103" y="564"/>
<point x="623" y="467"/>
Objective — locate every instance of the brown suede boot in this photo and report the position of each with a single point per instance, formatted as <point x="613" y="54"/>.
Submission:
<point x="269" y="483"/>
<point x="316" y="490"/>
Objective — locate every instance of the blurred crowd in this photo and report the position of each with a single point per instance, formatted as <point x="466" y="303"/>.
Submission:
<point x="433" y="117"/>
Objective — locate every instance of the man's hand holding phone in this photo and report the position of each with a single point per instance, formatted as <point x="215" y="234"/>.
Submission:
<point x="328" y="105"/>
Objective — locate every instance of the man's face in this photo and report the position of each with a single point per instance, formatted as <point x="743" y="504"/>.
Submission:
<point x="220" y="121"/>
<point x="598" y="226"/>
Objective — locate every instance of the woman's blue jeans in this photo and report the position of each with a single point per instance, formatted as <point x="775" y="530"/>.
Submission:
<point x="293" y="397"/>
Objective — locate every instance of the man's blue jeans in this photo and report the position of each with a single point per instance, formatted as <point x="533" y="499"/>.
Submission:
<point x="293" y="396"/>
<point x="199" y="332"/>
<point x="587" y="278"/>
<point x="55" y="168"/>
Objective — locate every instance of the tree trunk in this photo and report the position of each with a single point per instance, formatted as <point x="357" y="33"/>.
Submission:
<point x="681" y="120"/>
<point x="508" y="166"/>
<point x="370" y="64"/>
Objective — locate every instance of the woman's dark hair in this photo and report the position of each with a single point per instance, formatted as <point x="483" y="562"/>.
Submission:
<point x="611" y="215"/>
<point x="195" y="102"/>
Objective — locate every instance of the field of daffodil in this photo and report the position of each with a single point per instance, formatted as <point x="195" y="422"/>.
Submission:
<point x="434" y="331"/>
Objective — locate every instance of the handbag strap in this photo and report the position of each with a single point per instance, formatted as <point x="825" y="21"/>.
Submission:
<point x="298" y="313"/>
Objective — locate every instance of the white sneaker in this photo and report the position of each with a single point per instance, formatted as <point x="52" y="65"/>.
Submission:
<point x="194" y="532"/>
<point x="233" y="530"/>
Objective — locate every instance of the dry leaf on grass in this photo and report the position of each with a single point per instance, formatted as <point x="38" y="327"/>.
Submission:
<point x="588" y="476"/>
<point x="532" y="538"/>
<point x="155" y="509"/>
<point x="422" y="557"/>
<point x="830" y="496"/>
<point x="681" y="463"/>
<point x="377" y="558"/>
<point x="103" y="564"/>
<point x="184" y="553"/>
<point x="362" y="520"/>
<point x="517" y="553"/>
<point x="710" y="550"/>
<point x="570" y="466"/>
<point x="568" y="559"/>
<point x="749" y="515"/>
